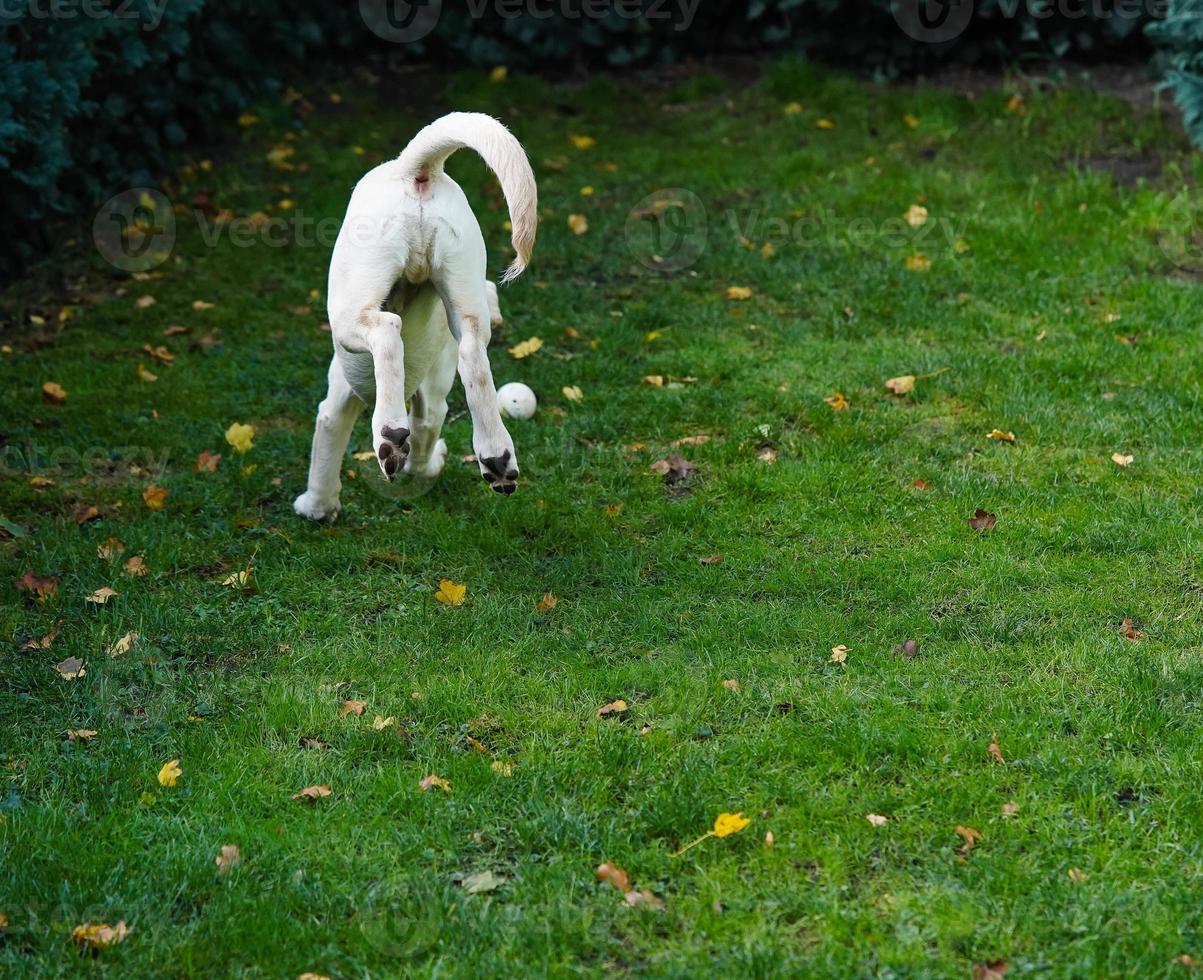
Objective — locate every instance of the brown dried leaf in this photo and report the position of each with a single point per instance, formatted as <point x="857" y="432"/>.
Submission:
<point x="71" y="669"/>
<point x="109" y="548"/>
<point x="207" y="462"/>
<point x="101" y="595"/>
<point x="994" y="970"/>
<point x="1128" y="630"/>
<point x="228" y="857"/>
<point x="674" y="468"/>
<point x="85" y="513"/>
<point x="135" y="566"/>
<point x="970" y="836"/>
<point x="711" y="560"/>
<point x="434" y="782"/>
<point x="53" y="393"/>
<point x="613" y="875"/>
<point x="908" y="649"/>
<point x="982" y="521"/>
<point x="40" y="587"/>
<point x="995" y="751"/>
<point x="312" y="793"/>
<point x="612" y="710"/>
<point x="352" y="708"/>
<point x="155" y="497"/>
<point x="547" y="603"/>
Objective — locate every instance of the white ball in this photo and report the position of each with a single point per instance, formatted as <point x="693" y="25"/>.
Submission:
<point x="516" y="400"/>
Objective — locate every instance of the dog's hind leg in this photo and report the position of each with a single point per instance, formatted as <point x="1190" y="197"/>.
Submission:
<point x="336" y="417"/>
<point x="468" y="310"/>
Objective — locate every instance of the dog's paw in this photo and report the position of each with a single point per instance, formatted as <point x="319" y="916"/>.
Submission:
<point x="432" y="467"/>
<point x="499" y="472"/>
<point x="312" y="507"/>
<point x="392" y="449"/>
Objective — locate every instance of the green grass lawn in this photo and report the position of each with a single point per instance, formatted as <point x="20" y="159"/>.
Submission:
<point x="1061" y="305"/>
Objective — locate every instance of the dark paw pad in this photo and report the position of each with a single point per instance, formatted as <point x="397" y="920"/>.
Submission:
<point x="393" y="449"/>
<point x="499" y="473"/>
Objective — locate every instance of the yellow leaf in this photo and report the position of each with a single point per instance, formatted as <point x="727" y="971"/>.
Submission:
<point x="825" y="123"/>
<point x="1120" y="459"/>
<point x="228" y="857"/>
<point x="911" y="121"/>
<point x="135" y="567"/>
<point x="101" y="595"/>
<point x="123" y="645"/>
<point x="731" y="684"/>
<point x="525" y="348"/>
<point x="155" y="497"/>
<point x="726" y="824"/>
<point x="451" y="593"/>
<point x="792" y="108"/>
<point x="240" y="436"/>
<point x="200" y="305"/>
<point x="170" y="773"/>
<point x="379" y="723"/>
<point x="502" y="768"/>
<point x="1076" y="875"/>
<point x="876" y="819"/>
<point x="572" y="392"/>
<point x="916" y="216"/>
<point x="613" y="709"/>
<point x="144" y="374"/>
<point x="587" y="191"/>
<point x="1000" y="435"/>
<point x="80" y="734"/>
<point x="838" y="401"/>
<point x="434" y="782"/>
<point x="1016" y="106"/>
<point x="767" y="250"/>
<point x="53" y="393"/>
<point x="582" y="142"/>
<point x="655" y="380"/>
<point x="206" y="462"/>
<point x="547" y="603"/>
<point x="901" y="385"/>
<point x="839" y="654"/>
<point x="739" y="292"/>
<point x="247" y="119"/>
<point x="239" y="580"/>
<point x="578" y="224"/>
<point x="97" y="935"/>
<point x="918" y="262"/>
<point x="499" y="74"/>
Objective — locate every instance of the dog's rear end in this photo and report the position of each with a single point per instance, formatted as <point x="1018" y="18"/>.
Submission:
<point x="409" y="222"/>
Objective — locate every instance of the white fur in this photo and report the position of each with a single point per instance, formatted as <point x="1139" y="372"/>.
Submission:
<point x="409" y="305"/>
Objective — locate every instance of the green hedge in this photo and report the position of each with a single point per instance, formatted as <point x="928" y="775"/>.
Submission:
<point x="99" y="94"/>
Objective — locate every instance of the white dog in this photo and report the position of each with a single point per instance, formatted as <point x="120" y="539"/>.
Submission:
<point x="411" y="241"/>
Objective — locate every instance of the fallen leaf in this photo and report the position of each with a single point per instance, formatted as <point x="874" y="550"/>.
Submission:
<point x="80" y="734"/>
<point x="1128" y="630"/>
<point x="918" y="262"/>
<point x="1076" y="875"/>
<point x="1016" y="106"/>
<point x="85" y="513"/>
<point x="526" y="348"/>
<point x="582" y="142"/>
<point x="170" y="774"/>
<point x="994" y="970"/>
<point x="434" y="782"/>
<point x="969" y="836"/>
<point x="145" y="302"/>
<point x="145" y="375"/>
<point x="42" y="642"/>
<point x="825" y="123"/>
<point x="352" y="708"/>
<point x="40" y="587"/>
<point x="502" y="768"/>
<point x="916" y="216"/>
<point x="739" y="292"/>
<point x="613" y="709"/>
<point x="207" y="462"/>
<point x="200" y="305"/>
<point x="837" y="400"/>
<point x="1121" y="459"/>
<point x="228" y="857"/>
<point x="547" y="603"/>
<point x="451" y="593"/>
<point x="769" y="839"/>
<point x="101" y="595"/>
<point x="612" y="510"/>
<point x="476" y="745"/>
<point x="135" y="566"/>
<point x="995" y="751"/>
<point x="109" y="548"/>
<point x="901" y="385"/>
<point x="241" y="437"/>
<point x="1000" y="435"/>
<point x="726" y="824"/>
<point x="578" y="224"/>
<point x="731" y="684"/>
<point x="176" y="329"/>
<point x="53" y="393"/>
<point x="71" y="669"/>
<point x="308" y="975"/>
<point x="876" y="819"/>
<point x="572" y="392"/>
<point x="792" y="108"/>
<point x="654" y="380"/>
<point x="379" y="723"/>
<point x="673" y="468"/>
<point x="767" y="454"/>
<point x="839" y="654"/>
<point x="123" y="645"/>
<point x="638" y="899"/>
<point x="908" y="649"/>
<point x="482" y="881"/>
<point x="711" y="560"/>
<point x="98" y="935"/>
<point x="311" y="794"/>
<point x="155" y="497"/>
<point x="161" y="354"/>
<point x="1009" y="809"/>
<point x="982" y="521"/>
<point x="921" y="484"/>
<point x="243" y="579"/>
<point x="40" y="482"/>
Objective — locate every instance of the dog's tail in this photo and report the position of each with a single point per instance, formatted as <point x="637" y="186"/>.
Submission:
<point x="423" y="160"/>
